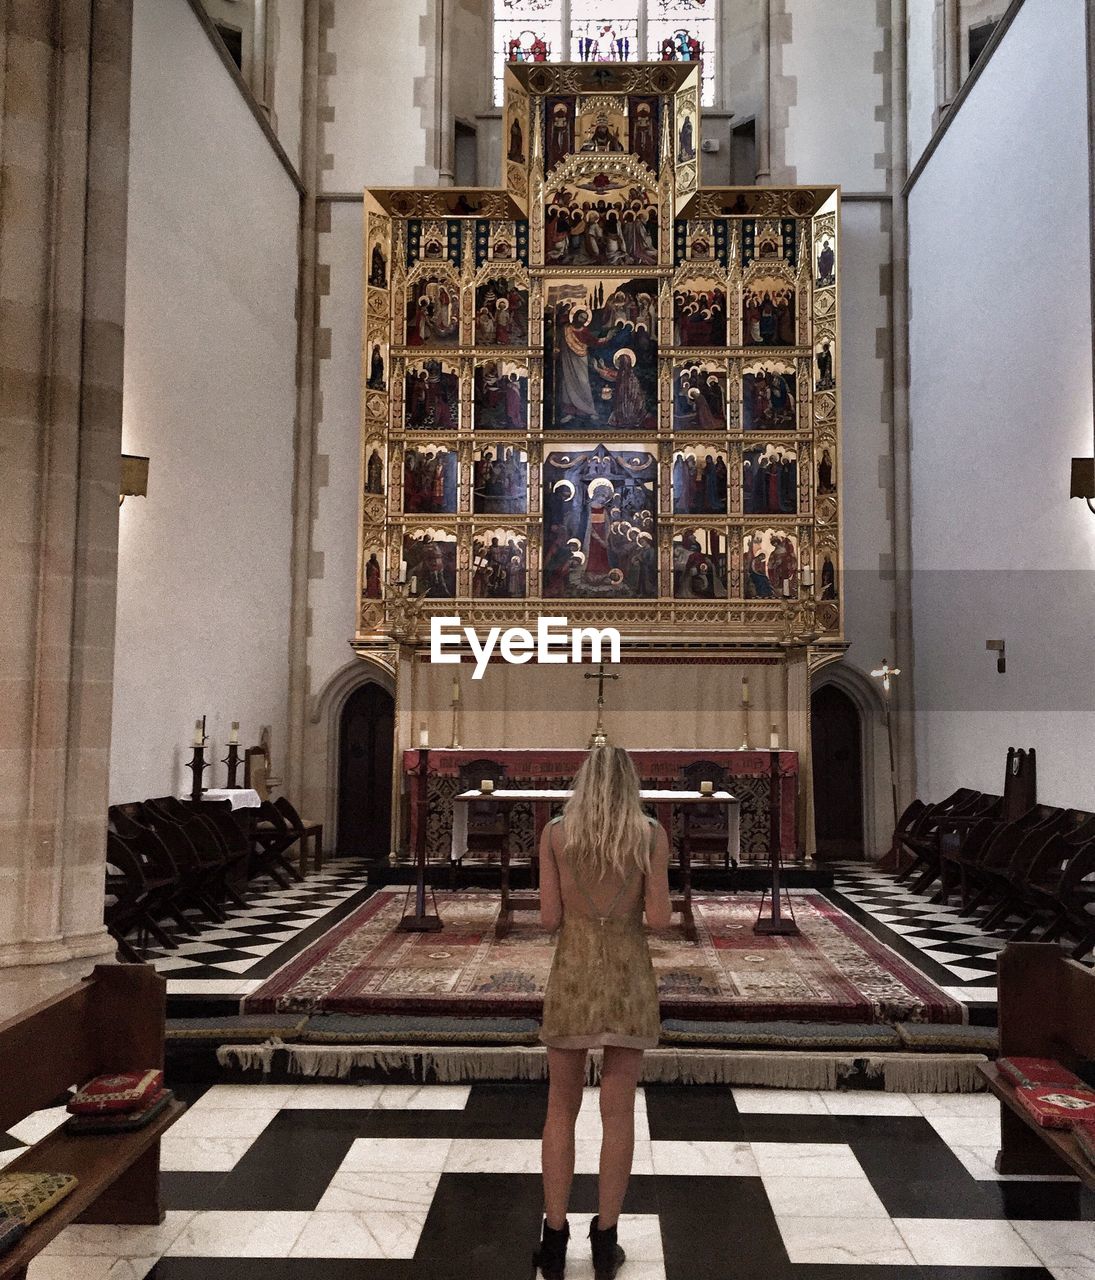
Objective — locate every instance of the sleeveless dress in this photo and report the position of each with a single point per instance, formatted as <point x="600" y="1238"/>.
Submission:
<point x="601" y="989"/>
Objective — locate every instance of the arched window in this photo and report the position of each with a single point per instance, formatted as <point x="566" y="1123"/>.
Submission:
<point x="605" y="31"/>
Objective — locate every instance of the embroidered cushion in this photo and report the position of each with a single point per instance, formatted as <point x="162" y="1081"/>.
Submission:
<point x="1055" y="1106"/>
<point x="1037" y="1071"/>
<point x="122" y="1091"/>
<point x="120" y="1121"/>
<point x="10" y="1231"/>
<point x="27" y="1196"/>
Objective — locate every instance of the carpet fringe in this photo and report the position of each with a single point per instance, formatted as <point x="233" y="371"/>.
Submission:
<point x="456" y="1064"/>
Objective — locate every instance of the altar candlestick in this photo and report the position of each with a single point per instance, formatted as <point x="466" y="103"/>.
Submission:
<point x="745" y="691"/>
<point x="455" y="689"/>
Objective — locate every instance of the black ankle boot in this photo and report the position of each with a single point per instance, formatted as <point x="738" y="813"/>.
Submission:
<point x="608" y="1257"/>
<point x="552" y="1255"/>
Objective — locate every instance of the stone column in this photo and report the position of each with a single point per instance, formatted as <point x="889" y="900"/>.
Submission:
<point x="64" y="148"/>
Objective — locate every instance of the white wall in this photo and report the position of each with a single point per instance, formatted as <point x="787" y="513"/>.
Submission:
<point x="203" y="579"/>
<point x="832" y="132"/>
<point x="1001" y="400"/>
<point x="920" y="54"/>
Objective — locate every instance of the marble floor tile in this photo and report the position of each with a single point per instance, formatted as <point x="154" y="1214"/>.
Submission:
<point x="431" y="1097"/>
<point x="806" y="1160"/>
<point x="244" y="1097"/>
<point x="38" y="1125"/>
<point x="823" y="1198"/>
<point x="868" y="1102"/>
<point x="180" y="1154"/>
<point x="958" y="1242"/>
<point x="370" y="1234"/>
<point x="389" y="1192"/>
<point x="705" y="1159"/>
<point x="84" y="1241"/>
<point x="218" y="1233"/>
<point x="223" y="1122"/>
<point x="774" y="1102"/>
<point x="335" y="1097"/>
<point x="406" y="1155"/>
<point x="845" y="1241"/>
<point x="968" y="1131"/>
<point x="1063" y="1247"/>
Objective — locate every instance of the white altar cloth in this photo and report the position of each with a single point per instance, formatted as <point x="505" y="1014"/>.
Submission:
<point x="461" y="801"/>
<point x="238" y="797"/>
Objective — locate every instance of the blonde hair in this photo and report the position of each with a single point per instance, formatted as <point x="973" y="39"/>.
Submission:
<point x="604" y="827"/>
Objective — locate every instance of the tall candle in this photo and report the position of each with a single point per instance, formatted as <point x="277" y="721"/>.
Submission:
<point x="423" y="736"/>
<point x="773" y="741"/>
<point x="745" y="691"/>
<point x="234" y="736"/>
<point x="808" y="576"/>
<point x="455" y="689"/>
<point x="414" y="586"/>
<point x="786" y="587"/>
<point x="198" y="739"/>
<point x="402" y="571"/>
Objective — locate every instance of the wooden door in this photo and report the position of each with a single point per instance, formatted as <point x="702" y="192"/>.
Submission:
<point x="365" y="773"/>
<point x="837" y="745"/>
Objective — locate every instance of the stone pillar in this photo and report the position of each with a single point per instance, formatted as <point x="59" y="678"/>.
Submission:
<point x="64" y="149"/>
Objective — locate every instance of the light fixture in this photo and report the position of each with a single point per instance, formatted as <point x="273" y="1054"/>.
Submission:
<point x="998" y="647"/>
<point x="134" y="482"/>
<point x="1083" y="480"/>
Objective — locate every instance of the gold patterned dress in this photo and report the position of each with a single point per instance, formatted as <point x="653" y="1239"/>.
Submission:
<point x="601" y="989"/>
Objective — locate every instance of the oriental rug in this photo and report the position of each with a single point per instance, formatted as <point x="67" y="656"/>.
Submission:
<point x="835" y="971"/>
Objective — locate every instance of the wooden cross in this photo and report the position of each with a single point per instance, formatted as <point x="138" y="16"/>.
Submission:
<point x="599" y="737"/>
<point x="886" y="674"/>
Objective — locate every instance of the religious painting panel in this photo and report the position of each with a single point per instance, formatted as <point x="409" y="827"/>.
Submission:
<point x="601" y="124"/>
<point x="825" y="259"/>
<point x="500" y="481"/>
<point x="559" y="124"/>
<point x="769" y="481"/>
<point x="826" y="472"/>
<point x="600" y="354"/>
<point x="503" y="240"/>
<point x="499" y="566"/>
<point x="601" y="221"/>
<point x="702" y="240"/>
<point x="644" y="129"/>
<point x="769" y="241"/>
<point x="827" y="584"/>
<point x="501" y="311"/>
<point x="600" y="539"/>
<point x="434" y="241"/>
<point x="700" y="481"/>
<point x="433" y="311"/>
<point x="378" y="261"/>
<point x="699" y="396"/>
<point x="430" y="479"/>
<point x="374" y="575"/>
<point x="429" y="562"/>
<point x="768" y="311"/>
<point x="825" y="362"/>
<point x="699" y="312"/>
<point x="431" y="396"/>
<point x="768" y="396"/>
<point x="771" y="564"/>
<point x="700" y="564"/>
<point x="376" y="377"/>
<point x="374" y="469"/>
<point x="501" y="396"/>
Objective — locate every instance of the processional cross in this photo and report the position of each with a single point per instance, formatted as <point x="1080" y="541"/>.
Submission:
<point x="599" y="738"/>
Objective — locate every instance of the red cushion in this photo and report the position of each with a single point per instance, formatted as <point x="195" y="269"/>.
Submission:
<point x="1037" y="1071"/>
<point x="122" y="1091"/>
<point x="1057" y="1107"/>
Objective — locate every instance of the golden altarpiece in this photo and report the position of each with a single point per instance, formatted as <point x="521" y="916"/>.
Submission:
<point x="605" y="392"/>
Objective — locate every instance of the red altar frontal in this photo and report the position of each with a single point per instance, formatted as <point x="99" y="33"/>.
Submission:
<point x="749" y="774"/>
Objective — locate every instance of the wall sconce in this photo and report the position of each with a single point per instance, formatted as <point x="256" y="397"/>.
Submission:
<point x="1083" y="480"/>
<point x="134" y="477"/>
<point x="997" y="646"/>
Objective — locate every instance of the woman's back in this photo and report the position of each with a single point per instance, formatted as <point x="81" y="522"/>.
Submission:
<point x="594" y="894"/>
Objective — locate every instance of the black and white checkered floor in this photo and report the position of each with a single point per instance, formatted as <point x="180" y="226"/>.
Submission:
<point x="373" y="1182"/>
<point x="234" y="958"/>
<point x="231" y="960"/>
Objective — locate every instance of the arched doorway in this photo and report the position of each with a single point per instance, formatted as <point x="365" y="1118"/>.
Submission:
<point x="837" y="749"/>
<point x="365" y="772"/>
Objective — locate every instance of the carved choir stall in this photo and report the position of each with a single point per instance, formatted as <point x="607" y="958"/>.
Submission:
<point x="608" y="393"/>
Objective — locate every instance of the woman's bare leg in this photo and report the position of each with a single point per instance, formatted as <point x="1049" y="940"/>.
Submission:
<point x="566" y="1078"/>
<point x="619" y="1077"/>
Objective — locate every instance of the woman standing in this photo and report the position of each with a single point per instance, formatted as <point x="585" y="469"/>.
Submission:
<point x="602" y="864"/>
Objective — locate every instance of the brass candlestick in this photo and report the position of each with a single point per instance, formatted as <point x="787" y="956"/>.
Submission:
<point x="745" y="737"/>
<point x="454" y="744"/>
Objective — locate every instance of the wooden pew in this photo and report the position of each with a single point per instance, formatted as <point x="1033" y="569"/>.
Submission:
<point x="1047" y="1010"/>
<point x="112" y="1021"/>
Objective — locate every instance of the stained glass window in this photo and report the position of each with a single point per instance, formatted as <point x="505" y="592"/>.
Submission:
<point x="605" y="31"/>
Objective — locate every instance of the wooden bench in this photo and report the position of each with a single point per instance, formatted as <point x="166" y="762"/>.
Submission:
<point x="112" y="1021"/>
<point x="1047" y="1010"/>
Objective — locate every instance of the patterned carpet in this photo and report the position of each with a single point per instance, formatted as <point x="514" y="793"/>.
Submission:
<point x="835" y="971"/>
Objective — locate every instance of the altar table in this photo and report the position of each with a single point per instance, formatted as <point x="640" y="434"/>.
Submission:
<point x="748" y="773"/>
<point x="541" y="800"/>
